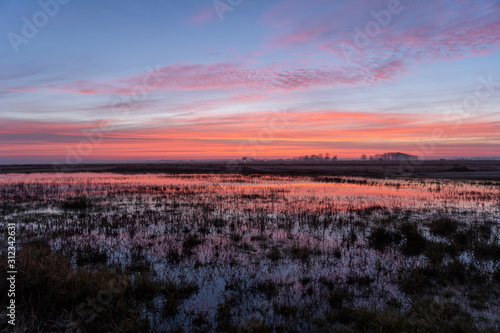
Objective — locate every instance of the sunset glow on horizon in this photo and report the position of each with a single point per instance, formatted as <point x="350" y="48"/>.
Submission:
<point x="156" y="80"/>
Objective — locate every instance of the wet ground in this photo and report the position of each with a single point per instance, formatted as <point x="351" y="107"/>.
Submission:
<point x="280" y="249"/>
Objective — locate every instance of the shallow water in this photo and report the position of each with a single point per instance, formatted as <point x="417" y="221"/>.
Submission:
<point x="319" y="225"/>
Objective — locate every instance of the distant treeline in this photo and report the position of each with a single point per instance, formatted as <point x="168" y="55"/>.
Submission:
<point x="318" y="157"/>
<point x="392" y="156"/>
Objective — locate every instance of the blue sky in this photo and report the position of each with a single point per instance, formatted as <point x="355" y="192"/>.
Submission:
<point x="172" y="80"/>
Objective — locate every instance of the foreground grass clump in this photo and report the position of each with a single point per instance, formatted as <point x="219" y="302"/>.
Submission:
<point x="89" y="255"/>
<point x="443" y="226"/>
<point x="415" y="242"/>
<point x="303" y="252"/>
<point x="7" y="208"/>
<point x="54" y="296"/>
<point x="274" y="254"/>
<point x="437" y="275"/>
<point x="425" y="315"/>
<point x="380" y="238"/>
<point x="81" y="203"/>
<point x="174" y="293"/>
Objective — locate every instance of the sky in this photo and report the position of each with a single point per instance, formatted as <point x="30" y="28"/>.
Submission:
<point x="122" y="80"/>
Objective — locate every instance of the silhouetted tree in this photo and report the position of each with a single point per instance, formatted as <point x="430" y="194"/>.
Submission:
<point x="391" y="156"/>
<point x="318" y="157"/>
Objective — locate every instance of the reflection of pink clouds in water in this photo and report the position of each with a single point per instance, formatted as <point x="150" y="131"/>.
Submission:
<point x="319" y="225"/>
<point x="274" y="193"/>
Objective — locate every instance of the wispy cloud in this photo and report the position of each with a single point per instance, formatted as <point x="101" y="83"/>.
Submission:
<point x="427" y="31"/>
<point x="354" y="79"/>
<point x="423" y="30"/>
<point x="273" y="78"/>
<point x="343" y="132"/>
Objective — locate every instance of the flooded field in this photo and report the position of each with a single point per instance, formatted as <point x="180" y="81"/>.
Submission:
<point x="254" y="253"/>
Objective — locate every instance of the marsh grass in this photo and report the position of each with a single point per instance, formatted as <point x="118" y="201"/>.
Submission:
<point x="414" y="242"/>
<point x="425" y="315"/>
<point x="51" y="292"/>
<point x="443" y="226"/>
<point x="274" y="254"/>
<point x="256" y="253"/>
<point x="304" y="253"/>
<point x="380" y="238"/>
<point x="81" y="203"/>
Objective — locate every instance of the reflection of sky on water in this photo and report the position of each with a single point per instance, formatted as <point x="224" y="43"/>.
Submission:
<point x="331" y="214"/>
<point x="278" y="193"/>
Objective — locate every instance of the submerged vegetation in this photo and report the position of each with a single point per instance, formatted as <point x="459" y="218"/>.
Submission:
<point x="255" y="253"/>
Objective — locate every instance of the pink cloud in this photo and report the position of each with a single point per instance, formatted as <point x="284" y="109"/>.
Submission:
<point x="62" y="128"/>
<point x="273" y="78"/>
<point x="421" y="31"/>
<point x="337" y="131"/>
<point x="427" y="31"/>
